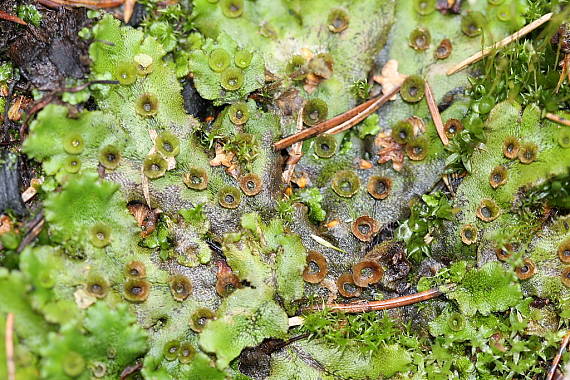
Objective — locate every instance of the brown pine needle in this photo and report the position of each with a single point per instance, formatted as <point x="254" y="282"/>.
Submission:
<point x="357" y="118"/>
<point x="362" y="307"/>
<point x="9" y="17"/>
<point x="557" y="119"/>
<point x="504" y="42"/>
<point x="435" y="115"/>
<point x="128" y="9"/>
<point x="9" y="341"/>
<point x="83" y="3"/>
<point x="558" y="356"/>
<point x="359" y="112"/>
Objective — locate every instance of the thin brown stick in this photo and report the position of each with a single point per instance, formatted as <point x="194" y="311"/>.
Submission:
<point x="334" y="122"/>
<point x="9" y="17"/>
<point x="358" y="117"/>
<point x="295" y="153"/>
<point x="35" y="228"/>
<point x="558" y="356"/>
<point x="557" y="119"/>
<point x="128" y="9"/>
<point x="435" y="115"/>
<point x="391" y="303"/>
<point x="504" y="42"/>
<point x="9" y="341"/>
<point x="131" y="369"/>
<point x="83" y="3"/>
<point x="49" y="4"/>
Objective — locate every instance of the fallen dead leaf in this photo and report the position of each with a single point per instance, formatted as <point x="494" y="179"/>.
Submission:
<point x="418" y="125"/>
<point x="5" y="224"/>
<point x="302" y="180"/>
<point x="390" y="151"/>
<point x="222" y="157"/>
<point x="32" y="190"/>
<point x="295" y="152"/>
<point x="311" y="83"/>
<point x="330" y="285"/>
<point x="296" y="321"/>
<point x="390" y="78"/>
<point x="83" y="299"/>
<point x="364" y="164"/>
<point x="128" y="8"/>
<point x="333" y="223"/>
<point x="14" y="113"/>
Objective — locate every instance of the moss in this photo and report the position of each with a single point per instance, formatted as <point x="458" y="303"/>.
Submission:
<point x="402" y="132"/>
<point x="366" y="272"/>
<point x="245" y="318"/>
<point x="147" y="105"/>
<point x="251" y="184"/>
<point x="110" y="157"/>
<point x="219" y="60"/>
<point x="126" y="73"/>
<point x="154" y="166"/>
<point x="268" y="262"/>
<point x="472" y="24"/>
<point x="239" y="81"/>
<point x="486" y="290"/>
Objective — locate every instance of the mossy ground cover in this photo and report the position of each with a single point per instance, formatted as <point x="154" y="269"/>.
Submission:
<point x="181" y="245"/>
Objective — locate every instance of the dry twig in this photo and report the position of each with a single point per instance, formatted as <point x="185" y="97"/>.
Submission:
<point x="295" y="152"/>
<point x="128" y="9"/>
<point x="435" y="115"/>
<point x="558" y="356"/>
<point x="557" y="119"/>
<point x="504" y="42"/>
<point x="346" y="119"/>
<point x="82" y="3"/>
<point x="9" y="341"/>
<point x="34" y="229"/>
<point x="131" y="369"/>
<point x="361" y="307"/>
<point x="9" y="17"/>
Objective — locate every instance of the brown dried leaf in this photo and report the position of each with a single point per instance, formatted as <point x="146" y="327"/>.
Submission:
<point x="83" y="299"/>
<point x="222" y="157"/>
<point x="390" y="78"/>
<point x="418" y="125"/>
<point x="333" y="223"/>
<point x="5" y="224"/>
<point x="311" y="83"/>
<point x="364" y="164"/>
<point x="295" y="152"/>
<point x="390" y="151"/>
<point x="330" y="285"/>
<point x="302" y="180"/>
<point x="14" y="112"/>
<point x="145" y="217"/>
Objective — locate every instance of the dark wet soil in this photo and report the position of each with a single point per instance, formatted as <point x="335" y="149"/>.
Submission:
<point x="48" y="54"/>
